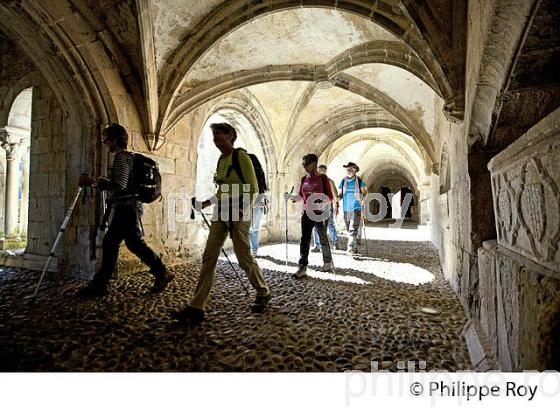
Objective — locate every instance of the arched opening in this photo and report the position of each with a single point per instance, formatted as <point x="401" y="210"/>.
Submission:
<point x="208" y="154"/>
<point x="390" y="165"/>
<point x="15" y="139"/>
<point x="394" y="185"/>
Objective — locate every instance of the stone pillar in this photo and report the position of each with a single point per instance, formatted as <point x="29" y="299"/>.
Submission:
<point x="424" y="204"/>
<point x="24" y="204"/>
<point x="2" y="189"/>
<point x="11" y="146"/>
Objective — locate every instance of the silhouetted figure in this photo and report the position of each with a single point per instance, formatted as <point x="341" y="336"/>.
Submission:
<point x="125" y="220"/>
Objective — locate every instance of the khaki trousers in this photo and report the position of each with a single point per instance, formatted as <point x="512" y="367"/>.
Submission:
<point x="219" y="231"/>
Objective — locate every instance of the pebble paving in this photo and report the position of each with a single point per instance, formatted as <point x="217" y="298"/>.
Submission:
<point x="366" y="315"/>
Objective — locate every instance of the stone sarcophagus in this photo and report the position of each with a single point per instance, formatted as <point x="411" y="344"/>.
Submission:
<point x="520" y="274"/>
<point x="525" y="187"/>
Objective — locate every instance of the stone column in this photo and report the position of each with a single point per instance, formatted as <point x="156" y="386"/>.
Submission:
<point x="24" y="204"/>
<point x="2" y="189"/>
<point x="423" y="201"/>
<point x="11" y="146"/>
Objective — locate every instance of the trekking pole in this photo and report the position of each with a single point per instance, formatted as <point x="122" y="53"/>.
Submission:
<point x="287" y="198"/>
<point x="364" y="226"/>
<point x="223" y="251"/>
<point x="58" y="238"/>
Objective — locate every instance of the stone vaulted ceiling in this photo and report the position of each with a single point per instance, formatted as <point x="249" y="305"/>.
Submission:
<point x="309" y="64"/>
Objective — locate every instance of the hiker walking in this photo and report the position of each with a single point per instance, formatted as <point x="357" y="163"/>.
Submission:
<point x="313" y="215"/>
<point x="352" y="192"/>
<point x="332" y="209"/>
<point x="125" y="222"/>
<point x="234" y="223"/>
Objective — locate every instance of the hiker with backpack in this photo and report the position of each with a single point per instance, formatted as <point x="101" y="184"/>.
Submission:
<point x="352" y="192"/>
<point x="314" y="215"/>
<point x="234" y="169"/>
<point x="126" y="209"/>
<point x="333" y="213"/>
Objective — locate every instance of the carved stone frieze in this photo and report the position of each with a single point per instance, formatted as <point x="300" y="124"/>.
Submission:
<point x="525" y="180"/>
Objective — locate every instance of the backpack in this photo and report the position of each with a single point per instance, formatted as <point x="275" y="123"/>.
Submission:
<point x="146" y="178"/>
<point x="259" y="172"/>
<point x="343" y="185"/>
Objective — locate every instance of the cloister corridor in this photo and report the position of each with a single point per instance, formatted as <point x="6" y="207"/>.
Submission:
<point x="370" y="310"/>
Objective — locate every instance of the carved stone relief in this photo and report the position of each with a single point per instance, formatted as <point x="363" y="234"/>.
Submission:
<point x="525" y="180"/>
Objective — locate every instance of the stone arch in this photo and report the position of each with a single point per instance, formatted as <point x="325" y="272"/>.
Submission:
<point x="407" y="123"/>
<point x="95" y="79"/>
<point x="296" y="73"/>
<point x="15" y="139"/>
<point x="416" y="128"/>
<point x="380" y="140"/>
<point x="386" y="52"/>
<point x="325" y="132"/>
<point x="377" y="176"/>
<point x="198" y="96"/>
<point x="27" y="81"/>
<point x="235" y="13"/>
<point x="248" y="106"/>
<point x="71" y="99"/>
<point x="68" y="88"/>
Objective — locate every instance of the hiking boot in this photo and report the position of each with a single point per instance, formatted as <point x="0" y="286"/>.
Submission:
<point x="352" y="251"/>
<point x="161" y="281"/>
<point x="189" y="315"/>
<point x="327" y="267"/>
<point x="300" y="273"/>
<point x="316" y="249"/>
<point x="92" y="291"/>
<point x="260" y="303"/>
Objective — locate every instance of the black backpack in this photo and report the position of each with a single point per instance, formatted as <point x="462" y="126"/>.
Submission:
<point x="146" y="178"/>
<point x="259" y="172"/>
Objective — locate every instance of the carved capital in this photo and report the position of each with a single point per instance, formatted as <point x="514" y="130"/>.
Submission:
<point x="454" y="108"/>
<point x="154" y="141"/>
<point x="10" y="143"/>
<point x="431" y="169"/>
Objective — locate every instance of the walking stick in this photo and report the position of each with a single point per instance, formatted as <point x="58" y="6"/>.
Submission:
<point x="287" y="198"/>
<point x="364" y="226"/>
<point x="58" y="238"/>
<point x="223" y="251"/>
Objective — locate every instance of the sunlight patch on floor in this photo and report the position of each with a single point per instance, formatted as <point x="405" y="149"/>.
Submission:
<point x="384" y="269"/>
<point x="418" y="234"/>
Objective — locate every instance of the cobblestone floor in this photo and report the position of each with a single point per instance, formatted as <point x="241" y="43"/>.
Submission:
<point x="369" y="310"/>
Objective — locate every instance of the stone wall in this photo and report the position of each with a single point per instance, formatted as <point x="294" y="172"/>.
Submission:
<point x="47" y="171"/>
<point x="58" y="155"/>
<point x="519" y="310"/>
<point x="452" y="235"/>
<point x="525" y="180"/>
<point x="168" y="221"/>
<point x="520" y="272"/>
